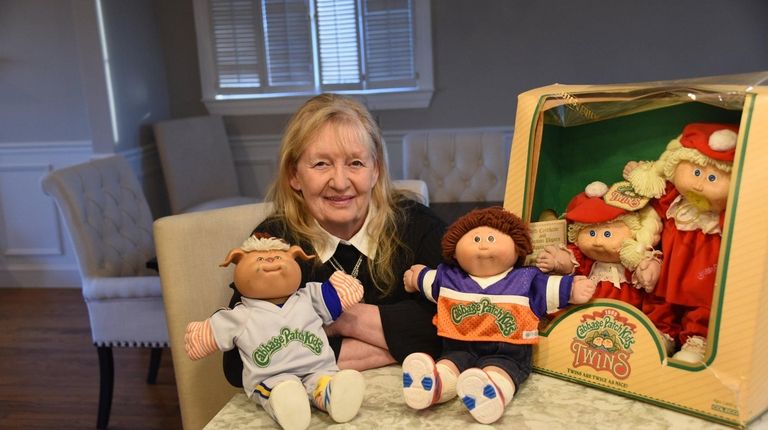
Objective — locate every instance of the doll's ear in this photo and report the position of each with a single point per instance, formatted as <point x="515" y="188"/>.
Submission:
<point x="234" y="256"/>
<point x="296" y="252"/>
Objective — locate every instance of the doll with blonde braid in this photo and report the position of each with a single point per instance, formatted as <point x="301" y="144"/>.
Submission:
<point x="611" y="234"/>
<point x="278" y="329"/>
<point x="689" y="185"/>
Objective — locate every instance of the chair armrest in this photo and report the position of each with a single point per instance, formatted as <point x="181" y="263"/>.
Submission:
<point x="415" y="186"/>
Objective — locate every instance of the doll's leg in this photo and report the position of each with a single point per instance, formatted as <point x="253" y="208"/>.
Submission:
<point x="694" y="335"/>
<point x="340" y="394"/>
<point x="487" y="389"/>
<point x="482" y="393"/>
<point x="286" y="402"/>
<point x="666" y="319"/>
<point x="426" y="382"/>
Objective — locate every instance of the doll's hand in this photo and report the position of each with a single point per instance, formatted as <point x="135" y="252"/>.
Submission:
<point x="348" y="288"/>
<point x="647" y="274"/>
<point x="628" y="168"/>
<point x="554" y="259"/>
<point x="411" y="277"/>
<point x="582" y="290"/>
<point x="198" y="340"/>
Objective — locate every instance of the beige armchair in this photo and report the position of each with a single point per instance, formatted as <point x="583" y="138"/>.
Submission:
<point x="197" y="164"/>
<point x="109" y="222"/>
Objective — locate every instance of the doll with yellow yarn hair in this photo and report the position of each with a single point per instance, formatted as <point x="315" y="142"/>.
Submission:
<point x="611" y="235"/>
<point x="689" y="184"/>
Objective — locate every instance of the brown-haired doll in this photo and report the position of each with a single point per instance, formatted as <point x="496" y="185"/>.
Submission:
<point x="488" y="310"/>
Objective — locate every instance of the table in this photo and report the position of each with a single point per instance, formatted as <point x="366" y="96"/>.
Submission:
<point x="543" y="402"/>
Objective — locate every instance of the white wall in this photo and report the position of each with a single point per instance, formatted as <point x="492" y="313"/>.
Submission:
<point x="55" y="111"/>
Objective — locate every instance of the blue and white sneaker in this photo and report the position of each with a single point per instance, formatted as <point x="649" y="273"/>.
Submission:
<point x="421" y="382"/>
<point x="480" y="395"/>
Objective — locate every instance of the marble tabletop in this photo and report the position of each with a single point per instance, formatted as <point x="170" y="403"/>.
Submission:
<point x="543" y="403"/>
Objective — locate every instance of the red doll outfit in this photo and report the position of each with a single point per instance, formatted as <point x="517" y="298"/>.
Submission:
<point x="611" y="283"/>
<point x="680" y="304"/>
<point x="690" y="240"/>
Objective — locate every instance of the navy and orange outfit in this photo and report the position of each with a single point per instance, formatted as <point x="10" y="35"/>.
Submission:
<point x="492" y="321"/>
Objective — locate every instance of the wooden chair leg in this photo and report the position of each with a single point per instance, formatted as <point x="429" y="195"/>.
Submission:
<point x="106" y="383"/>
<point x="154" y="365"/>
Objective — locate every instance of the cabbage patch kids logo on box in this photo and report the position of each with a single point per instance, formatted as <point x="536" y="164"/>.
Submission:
<point x="604" y="342"/>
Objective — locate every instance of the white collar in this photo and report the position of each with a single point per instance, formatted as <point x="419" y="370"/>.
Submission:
<point x="485" y="282"/>
<point x="362" y="241"/>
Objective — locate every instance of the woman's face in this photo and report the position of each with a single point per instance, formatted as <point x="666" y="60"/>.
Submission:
<point x="704" y="186"/>
<point x="602" y="242"/>
<point x="336" y="174"/>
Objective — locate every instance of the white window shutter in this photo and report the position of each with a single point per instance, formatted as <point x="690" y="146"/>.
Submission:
<point x="288" y="41"/>
<point x="388" y="41"/>
<point x="339" y="49"/>
<point x="235" y="43"/>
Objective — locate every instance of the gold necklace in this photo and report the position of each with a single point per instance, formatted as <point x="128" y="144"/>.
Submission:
<point x="337" y="266"/>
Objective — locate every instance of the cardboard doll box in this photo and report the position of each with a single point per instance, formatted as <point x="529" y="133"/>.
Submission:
<point x="567" y="136"/>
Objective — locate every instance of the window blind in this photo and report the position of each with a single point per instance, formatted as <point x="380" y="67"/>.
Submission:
<point x="274" y="46"/>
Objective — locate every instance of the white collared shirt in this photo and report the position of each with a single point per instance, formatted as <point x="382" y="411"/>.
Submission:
<point x="362" y="241"/>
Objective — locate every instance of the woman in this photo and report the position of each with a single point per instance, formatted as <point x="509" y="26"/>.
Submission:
<point x="333" y="196"/>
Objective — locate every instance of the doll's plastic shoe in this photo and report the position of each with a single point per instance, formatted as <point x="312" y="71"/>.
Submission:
<point x="421" y="382"/>
<point x="693" y="351"/>
<point x="344" y="395"/>
<point x="480" y="396"/>
<point x="290" y="405"/>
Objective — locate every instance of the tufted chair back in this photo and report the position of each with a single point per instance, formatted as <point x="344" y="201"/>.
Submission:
<point x="465" y="165"/>
<point x="109" y="222"/>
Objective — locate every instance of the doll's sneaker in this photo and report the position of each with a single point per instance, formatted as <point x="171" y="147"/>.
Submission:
<point x="480" y="395"/>
<point x="289" y="405"/>
<point x="421" y="382"/>
<point x="344" y="395"/>
<point x="693" y="351"/>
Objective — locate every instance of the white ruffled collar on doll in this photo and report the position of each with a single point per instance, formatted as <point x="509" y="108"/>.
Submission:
<point x="361" y="241"/>
<point x="611" y="272"/>
<point x="689" y="218"/>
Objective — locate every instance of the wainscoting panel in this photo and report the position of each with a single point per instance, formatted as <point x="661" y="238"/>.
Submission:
<point x="34" y="246"/>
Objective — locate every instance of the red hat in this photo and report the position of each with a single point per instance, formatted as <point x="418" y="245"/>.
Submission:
<point x="589" y="207"/>
<point x="717" y="141"/>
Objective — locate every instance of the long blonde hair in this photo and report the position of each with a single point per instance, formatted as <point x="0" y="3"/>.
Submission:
<point x="290" y="205"/>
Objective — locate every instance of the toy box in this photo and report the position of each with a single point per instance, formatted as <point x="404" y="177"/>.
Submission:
<point x="569" y="135"/>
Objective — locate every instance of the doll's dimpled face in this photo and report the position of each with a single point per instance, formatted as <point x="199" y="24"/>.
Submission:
<point x="267" y="275"/>
<point x="485" y="251"/>
<point x="704" y="186"/>
<point x="602" y="242"/>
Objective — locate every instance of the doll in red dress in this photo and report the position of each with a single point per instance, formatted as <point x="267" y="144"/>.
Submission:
<point x="611" y="235"/>
<point x="689" y="184"/>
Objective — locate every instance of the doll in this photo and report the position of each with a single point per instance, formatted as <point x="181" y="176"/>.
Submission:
<point x="689" y="185"/>
<point x="611" y="235"/>
<point x="278" y="329"/>
<point x="488" y="309"/>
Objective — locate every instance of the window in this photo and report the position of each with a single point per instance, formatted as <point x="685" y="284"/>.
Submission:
<point x="268" y="56"/>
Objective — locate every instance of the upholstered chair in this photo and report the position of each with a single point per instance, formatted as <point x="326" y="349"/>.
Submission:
<point x="197" y="164"/>
<point x="463" y="165"/>
<point x="110" y="225"/>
